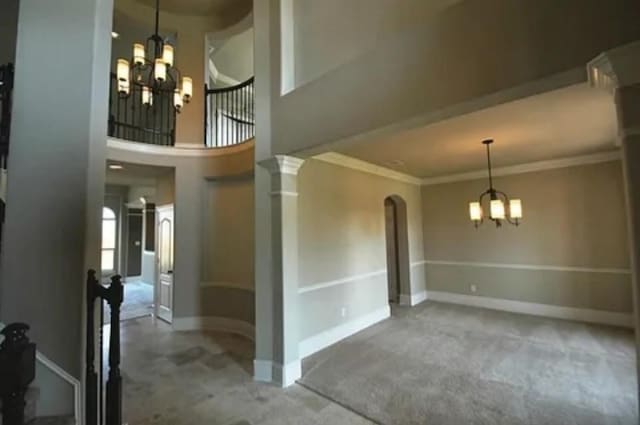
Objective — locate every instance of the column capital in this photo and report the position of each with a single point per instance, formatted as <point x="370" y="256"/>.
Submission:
<point x="282" y="164"/>
<point x="618" y="67"/>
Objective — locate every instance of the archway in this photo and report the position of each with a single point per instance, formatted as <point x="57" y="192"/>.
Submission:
<point x="397" y="249"/>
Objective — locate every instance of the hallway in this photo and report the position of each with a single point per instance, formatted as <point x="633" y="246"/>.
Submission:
<point x="445" y="364"/>
<point x="192" y="378"/>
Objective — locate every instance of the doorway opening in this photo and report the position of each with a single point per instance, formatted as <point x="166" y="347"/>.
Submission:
<point x="130" y="246"/>
<point x="397" y="248"/>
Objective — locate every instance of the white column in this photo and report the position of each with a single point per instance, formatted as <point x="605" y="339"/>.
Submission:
<point x="618" y="70"/>
<point x="56" y="171"/>
<point x="277" y="356"/>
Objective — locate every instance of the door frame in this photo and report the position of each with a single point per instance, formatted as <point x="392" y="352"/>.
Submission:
<point x="157" y="288"/>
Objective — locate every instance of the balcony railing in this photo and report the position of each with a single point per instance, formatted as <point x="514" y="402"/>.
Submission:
<point x="130" y="119"/>
<point x="229" y="115"/>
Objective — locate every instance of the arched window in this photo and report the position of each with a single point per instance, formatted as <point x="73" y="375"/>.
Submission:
<point x="108" y="239"/>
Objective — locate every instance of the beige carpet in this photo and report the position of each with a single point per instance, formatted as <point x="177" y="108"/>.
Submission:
<point x="440" y="364"/>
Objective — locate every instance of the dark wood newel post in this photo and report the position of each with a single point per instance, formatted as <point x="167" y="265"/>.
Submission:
<point x="91" y="411"/>
<point x="17" y="371"/>
<point x="114" y="296"/>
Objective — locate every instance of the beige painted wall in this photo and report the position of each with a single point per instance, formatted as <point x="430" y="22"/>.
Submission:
<point x="342" y="235"/>
<point x="227" y="266"/>
<point x="573" y="217"/>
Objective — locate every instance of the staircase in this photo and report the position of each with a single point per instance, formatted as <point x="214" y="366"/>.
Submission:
<point x="33" y="394"/>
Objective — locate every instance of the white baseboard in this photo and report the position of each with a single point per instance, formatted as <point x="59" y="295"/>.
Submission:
<point x="272" y="372"/>
<point x="546" y="310"/>
<point x="211" y="323"/>
<point x="331" y="336"/>
<point x="413" y="299"/>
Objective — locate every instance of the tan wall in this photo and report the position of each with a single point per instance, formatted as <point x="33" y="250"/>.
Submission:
<point x="573" y="218"/>
<point x="342" y="235"/>
<point x="228" y="248"/>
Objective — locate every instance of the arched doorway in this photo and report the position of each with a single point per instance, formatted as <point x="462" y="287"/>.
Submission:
<point x="397" y="248"/>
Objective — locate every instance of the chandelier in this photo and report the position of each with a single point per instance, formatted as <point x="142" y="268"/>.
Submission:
<point x="154" y="75"/>
<point x="497" y="202"/>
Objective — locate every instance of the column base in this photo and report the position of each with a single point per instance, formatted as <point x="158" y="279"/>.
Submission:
<point x="276" y="373"/>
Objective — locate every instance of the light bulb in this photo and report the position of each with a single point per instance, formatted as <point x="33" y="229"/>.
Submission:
<point x="187" y="89"/>
<point x="147" y="96"/>
<point x="177" y="100"/>
<point x="160" y="70"/>
<point x="138" y="54"/>
<point x="515" y="208"/>
<point x="167" y="54"/>
<point x="497" y="209"/>
<point x="122" y="70"/>
<point x="475" y="211"/>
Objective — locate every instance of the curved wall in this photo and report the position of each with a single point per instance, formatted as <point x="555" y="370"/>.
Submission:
<point x="213" y="246"/>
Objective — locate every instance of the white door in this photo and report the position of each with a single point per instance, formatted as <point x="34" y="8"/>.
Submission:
<point x="164" y="282"/>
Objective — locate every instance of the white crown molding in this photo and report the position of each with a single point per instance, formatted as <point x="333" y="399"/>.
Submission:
<point x="329" y="337"/>
<point x="618" y="67"/>
<point x="534" y="267"/>
<point x="544" y="310"/>
<point x="282" y="164"/>
<point x="185" y="150"/>
<point x="526" y="168"/>
<point x="283" y="193"/>
<point x="366" y="167"/>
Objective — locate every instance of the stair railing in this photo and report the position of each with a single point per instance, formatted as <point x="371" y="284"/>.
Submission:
<point x="113" y="295"/>
<point x="229" y="114"/>
<point x="17" y="371"/>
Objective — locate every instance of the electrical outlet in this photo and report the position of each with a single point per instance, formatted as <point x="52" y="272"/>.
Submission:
<point x="473" y="288"/>
<point x="343" y="311"/>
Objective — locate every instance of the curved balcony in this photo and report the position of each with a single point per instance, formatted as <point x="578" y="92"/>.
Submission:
<point x="229" y="114"/>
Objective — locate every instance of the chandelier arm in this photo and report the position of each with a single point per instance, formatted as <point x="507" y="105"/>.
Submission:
<point x="506" y="202"/>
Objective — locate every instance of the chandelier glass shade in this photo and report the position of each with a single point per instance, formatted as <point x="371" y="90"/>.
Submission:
<point x="152" y="69"/>
<point x="498" y="202"/>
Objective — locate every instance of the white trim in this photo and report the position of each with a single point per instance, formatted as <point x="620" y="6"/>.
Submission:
<point x="526" y="168"/>
<point x="413" y="299"/>
<point x="366" y="167"/>
<point x="212" y="323"/>
<point x="229" y="285"/>
<point x="188" y="150"/>
<point x="537" y="267"/>
<point x="331" y="336"/>
<point x="545" y="310"/>
<point x="282" y="164"/>
<point x="286" y="375"/>
<point x="77" y="388"/>
<point x="262" y="370"/>
<point x="330" y="283"/>
<point x="283" y="193"/>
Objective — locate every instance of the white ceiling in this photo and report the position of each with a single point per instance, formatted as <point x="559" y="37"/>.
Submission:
<point x="201" y="7"/>
<point x="571" y="121"/>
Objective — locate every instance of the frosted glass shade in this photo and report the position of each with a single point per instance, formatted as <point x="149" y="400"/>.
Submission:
<point x="122" y="70"/>
<point x="167" y="54"/>
<point x="515" y="208"/>
<point x="177" y="100"/>
<point x="475" y="211"/>
<point x="187" y="88"/>
<point x="497" y="209"/>
<point x="147" y="96"/>
<point x="123" y="87"/>
<point x="160" y="70"/>
<point x="138" y="54"/>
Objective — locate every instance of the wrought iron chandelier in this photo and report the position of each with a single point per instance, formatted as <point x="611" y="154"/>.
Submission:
<point x="155" y="76"/>
<point x="497" y="202"/>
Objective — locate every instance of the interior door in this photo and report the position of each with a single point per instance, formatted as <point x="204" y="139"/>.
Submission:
<point x="164" y="283"/>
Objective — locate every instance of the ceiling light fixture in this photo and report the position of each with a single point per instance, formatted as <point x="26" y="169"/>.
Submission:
<point x="115" y="167"/>
<point x="497" y="202"/>
<point x="155" y="75"/>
